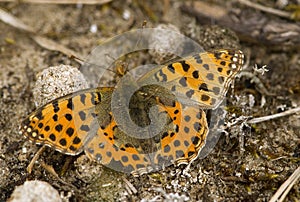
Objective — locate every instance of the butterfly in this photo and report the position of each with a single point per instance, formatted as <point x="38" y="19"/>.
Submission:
<point x="162" y="123"/>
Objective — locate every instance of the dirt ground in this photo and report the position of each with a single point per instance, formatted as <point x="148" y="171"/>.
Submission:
<point x="249" y="162"/>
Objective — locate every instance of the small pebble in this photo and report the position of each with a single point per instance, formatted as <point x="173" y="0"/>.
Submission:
<point x="54" y="82"/>
<point x="35" y="191"/>
<point x="126" y="15"/>
<point x="93" y="28"/>
<point x="162" y="43"/>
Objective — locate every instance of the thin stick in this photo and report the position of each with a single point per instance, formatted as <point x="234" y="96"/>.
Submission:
<point x="15" y="22"/>
<point x="54" y="46"/>
<point x="130" y="188"/>
<point x="265" y="9"/>
<point x="284" y="189"/>
<point x="51" y="170"/>
<point x="34" y="159"/>
<point x="60" y="1"/>
<point x="274" y="116"/>
<point x="42" y="41"/>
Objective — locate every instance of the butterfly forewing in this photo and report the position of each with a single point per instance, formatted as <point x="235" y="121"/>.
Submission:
<point x="202" y="79"/>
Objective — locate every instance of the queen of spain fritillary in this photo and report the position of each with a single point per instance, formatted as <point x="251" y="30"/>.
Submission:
<point x="84" y="121"/>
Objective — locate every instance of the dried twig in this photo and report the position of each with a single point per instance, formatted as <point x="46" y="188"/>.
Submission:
<point x="274" y="116"/>
<point x="52" y="45"/>
<point x="42" y="41"/>
<point x="266" y="9"/>
<point x="60" y="1"/>
<point x="34" y="159"/>
<point x="284" y="189"/>
<point x="129" y="187"/>
<point x="250" y="26"/>
<point x="51" y="170"/>
<point x="15" y="22"/>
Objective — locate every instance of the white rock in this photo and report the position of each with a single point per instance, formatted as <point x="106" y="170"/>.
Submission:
<point x="35" y="191"/>
<point x="54" y="82"/>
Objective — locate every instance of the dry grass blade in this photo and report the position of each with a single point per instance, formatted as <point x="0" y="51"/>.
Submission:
<point x="273" y="116"/>
<point x="286" y="186"/>
<point x="266" y="9"/>
<point x="34" y="159"/>
<point x="253" y="27"/>
<point x="52" y="45"/>
<point x="60" y="1"/>
<point x="15" y="22"/>
<point x="42" y="41"/>
<point x="129" y="187"/>
<point x="51" y="170"/>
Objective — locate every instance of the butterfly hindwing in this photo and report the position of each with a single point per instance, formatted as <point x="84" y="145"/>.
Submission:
<point x="64" y="123"/>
